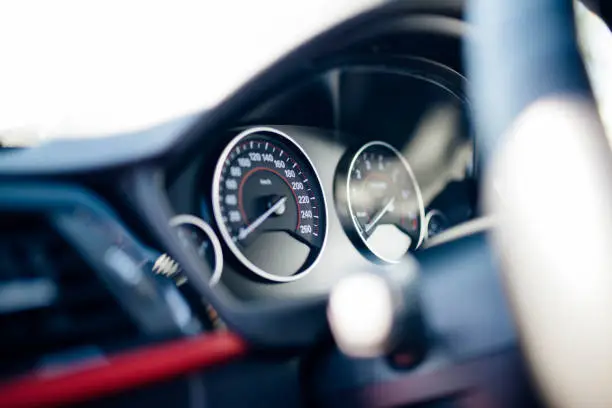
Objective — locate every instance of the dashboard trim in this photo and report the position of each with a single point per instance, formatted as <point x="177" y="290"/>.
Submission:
<point x="122" y="372"/>
<point x="465" y="229"/>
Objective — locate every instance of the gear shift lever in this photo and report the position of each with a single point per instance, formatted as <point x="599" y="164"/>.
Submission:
<point x="378" y="314"/>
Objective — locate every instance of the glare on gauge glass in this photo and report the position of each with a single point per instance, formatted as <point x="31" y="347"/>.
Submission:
<point x="384" y="203"/>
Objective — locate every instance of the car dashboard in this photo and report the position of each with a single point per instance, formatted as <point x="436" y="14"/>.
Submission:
<point x="365" y="162"/>
<point x="355" y="152"/>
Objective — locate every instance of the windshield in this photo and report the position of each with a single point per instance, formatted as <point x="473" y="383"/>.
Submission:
<point x="96" y="68"/>
<point x="90" y="69"/>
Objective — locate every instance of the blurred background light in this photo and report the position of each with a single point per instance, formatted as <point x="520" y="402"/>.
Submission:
<point x="73" y="68"/>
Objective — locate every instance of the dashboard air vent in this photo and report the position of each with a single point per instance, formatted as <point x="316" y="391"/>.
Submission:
<point x="53" y="308"/>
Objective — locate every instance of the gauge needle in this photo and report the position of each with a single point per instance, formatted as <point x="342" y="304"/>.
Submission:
<point x="244" y="232"/>
<point x="380" y="214"/>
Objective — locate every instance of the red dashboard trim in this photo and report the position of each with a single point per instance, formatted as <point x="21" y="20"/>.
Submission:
<point x="121" y="372"/>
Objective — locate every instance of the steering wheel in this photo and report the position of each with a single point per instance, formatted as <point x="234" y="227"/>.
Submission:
<point x="538" y="120"/>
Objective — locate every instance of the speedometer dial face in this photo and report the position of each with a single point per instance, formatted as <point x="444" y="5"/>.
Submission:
<point x="269" y="205"/>
<point x="385" y="203"/>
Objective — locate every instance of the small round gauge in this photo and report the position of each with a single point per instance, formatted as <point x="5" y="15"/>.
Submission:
<point x="436" y="222"/>
<point x="196" y="234"/>
<point x="384" y="202"/>
<point x="269" y="205"/>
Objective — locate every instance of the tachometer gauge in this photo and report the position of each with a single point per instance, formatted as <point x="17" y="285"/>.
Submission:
<point x="384" y="202"/>
<point x="269" y="205"/>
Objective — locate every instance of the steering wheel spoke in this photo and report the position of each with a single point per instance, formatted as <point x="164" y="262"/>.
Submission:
<point x="548" y="165"/>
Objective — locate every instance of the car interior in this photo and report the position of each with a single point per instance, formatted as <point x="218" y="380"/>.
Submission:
<point x="361" y="223"/>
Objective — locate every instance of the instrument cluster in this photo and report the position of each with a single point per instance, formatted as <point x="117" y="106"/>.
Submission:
<point x="284" y="210"/>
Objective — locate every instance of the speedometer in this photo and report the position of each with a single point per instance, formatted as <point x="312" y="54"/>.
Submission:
<point x="269" y="205"/>
<point x="384" y="202"/>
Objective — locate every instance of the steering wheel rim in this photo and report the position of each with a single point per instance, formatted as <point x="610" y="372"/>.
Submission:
<point x="529" y="85"/>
